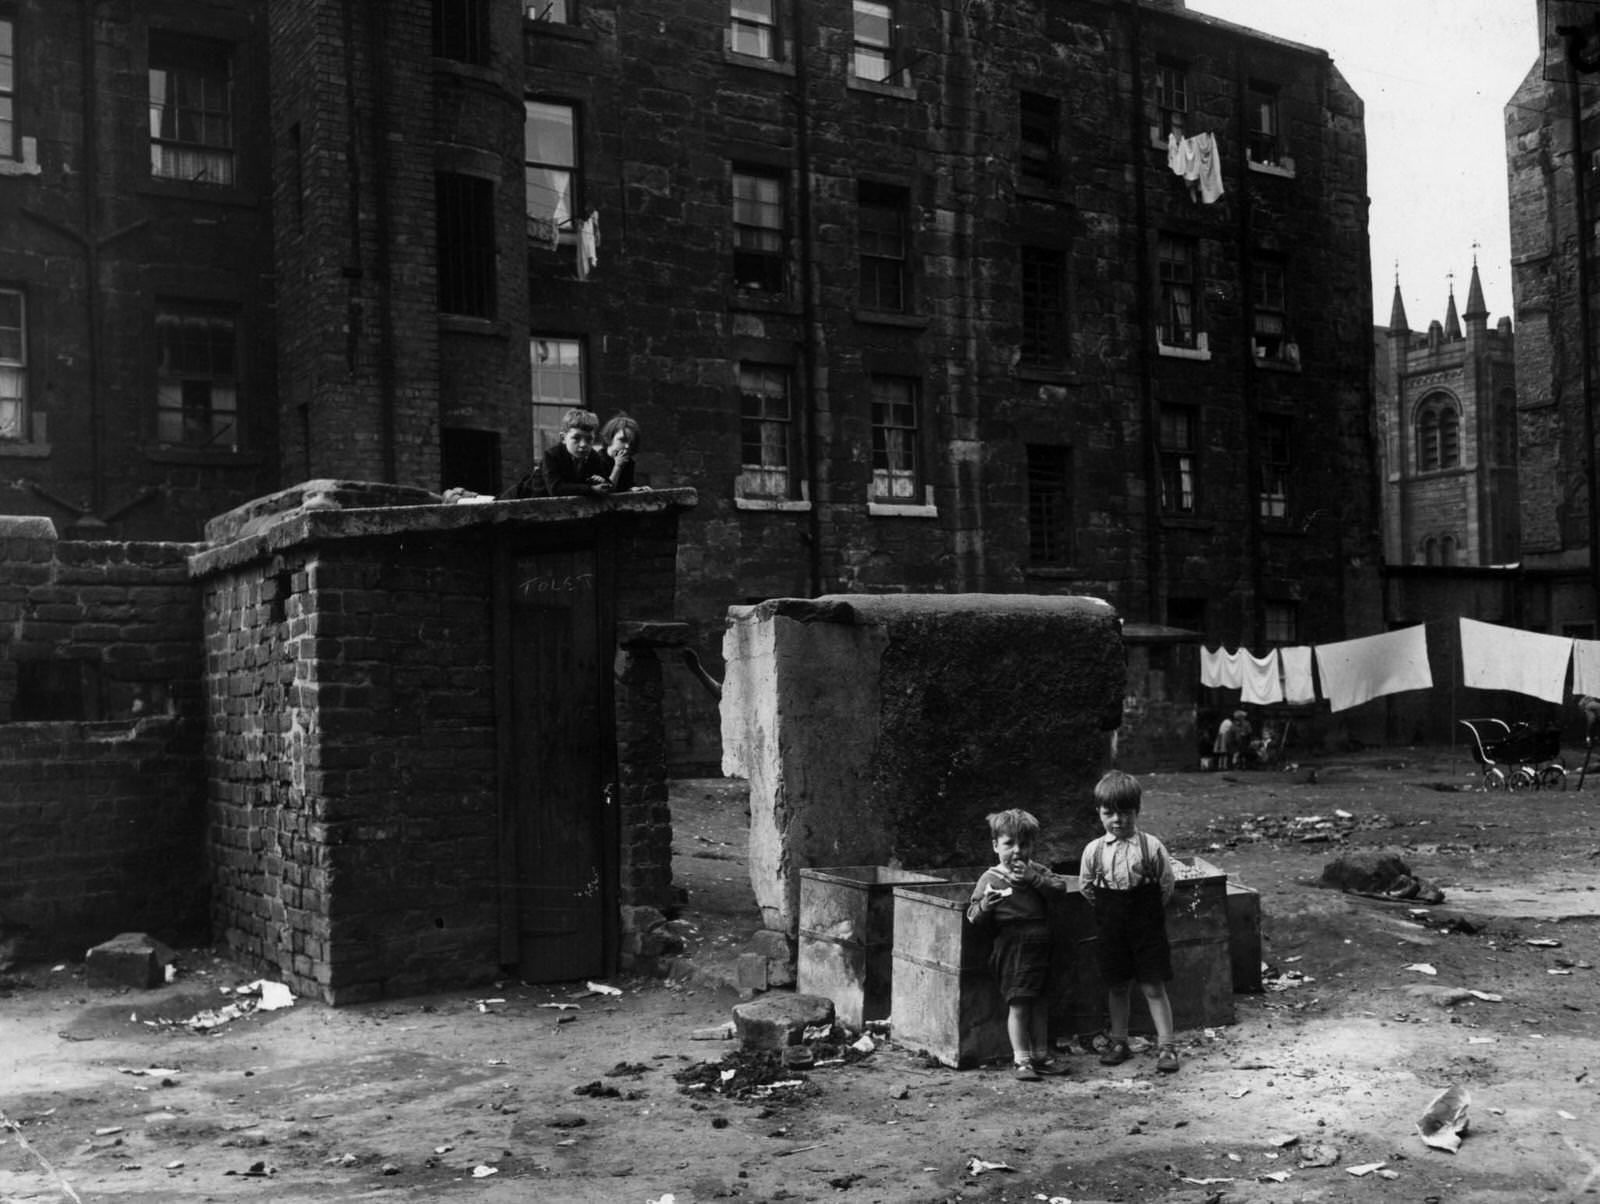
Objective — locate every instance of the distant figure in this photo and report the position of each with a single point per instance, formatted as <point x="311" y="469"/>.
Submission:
<point x="1009" y="900"/>
<point x="1223" y="748"/>
<point x="1127" y="877"/>
<point x="619" y="444"/>
<point x="574" y="466"/>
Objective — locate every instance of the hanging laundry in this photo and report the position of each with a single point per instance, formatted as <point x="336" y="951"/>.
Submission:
<point x="1297" y="684"/>
<point x="1198" y="161"/>
<point x="1220" y="668"/>
<point x="1260" y="682"/>
<point x="1355" y="671"/>
<point x="1506" y="658"/>
<point x="1210" y="666"/>
<point x="1586" y="668"/>
<point x="542" y="231"/>
<point x="588" y="244"/>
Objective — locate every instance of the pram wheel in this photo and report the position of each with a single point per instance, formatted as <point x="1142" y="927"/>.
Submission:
<point x="1521" y="779"/>
<point x="1552" y="777"/>
<point x="1494" y="778"/>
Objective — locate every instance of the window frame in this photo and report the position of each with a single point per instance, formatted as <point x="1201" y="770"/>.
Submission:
<point x="468" y="276"/>
<point x="8" y="86"/>
<point x="1275" y="439"/>
<point x="186" y="62"/>
<point x="560" y="223"/>
<point x="551" y="12"/>
<point x="1180" y="461"/>
<point x="461" y="31"/>
<point x="1172" y="95"/>
<point x="773" y="476"/>
<point x="1263" y="124"/>
<point x="1177" y="273"/>
<point x="1280" y="622"/>
<point x="865" y="48"/>
<point x="1269" y="305"/>
<point x="548" y="404"/>
<point x="180" y="408"/>
<point x="898" y="472"/>
<point x="1038" y="139"/>
<point x="1050" y="514"/>
<point x="883" y="247"/>
<point x="767" y="34"/>
<point x="770" y="277"/>
<point x="1041" y="271"/>
<point x="16" y="368"/>
<point x="1437" y="433"/>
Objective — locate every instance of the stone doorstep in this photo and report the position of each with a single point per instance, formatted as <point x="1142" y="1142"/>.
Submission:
<point x="129" y="959"/>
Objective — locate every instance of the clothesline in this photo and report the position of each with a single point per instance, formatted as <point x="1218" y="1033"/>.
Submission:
<point x="1351" y="672"/>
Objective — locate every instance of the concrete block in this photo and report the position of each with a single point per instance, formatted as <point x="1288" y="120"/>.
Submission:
<point x="778" y="1021"/>
<point x="129" y="959"/>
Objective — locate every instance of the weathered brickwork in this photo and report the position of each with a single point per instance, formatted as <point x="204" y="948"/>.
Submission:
<point x="102" y="782"/>
<point x="356" y="836"/>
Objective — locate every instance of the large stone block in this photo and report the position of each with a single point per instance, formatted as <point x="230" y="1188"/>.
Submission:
<point x="129" y="959"/>
<point x="878" y="730"/>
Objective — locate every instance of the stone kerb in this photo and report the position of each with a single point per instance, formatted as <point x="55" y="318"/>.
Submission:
<point x="882" y="729"/>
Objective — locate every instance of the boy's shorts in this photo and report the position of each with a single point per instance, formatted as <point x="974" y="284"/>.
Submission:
<point x="1131" y="936"/>
<point x="1020" y="959"/>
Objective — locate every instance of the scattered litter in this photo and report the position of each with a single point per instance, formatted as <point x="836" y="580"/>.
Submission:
<point x="1542" y="942"/>
<point x="482" y="1171"/>
<point x="1366" y="1168"/>
<point x="1319" y="1154"/>
<point x="58" y="969"/>
<point x="1239" y="1094"/>
<point x="1555" y="971"/>
<point x="497" y="1062"/>
<point x="108" y="1131"/>
<point x="1564" y="1114"/>
<point x="1481" y="1040"/>
<point x="1274" y="979"/>
<point x="258" y="1170"/>
<point x="600" y="988"/>
<point x="722" y="1032"/>
<point x="561" y="1007"/>
<point x="1275" y="1177"/>
<point x="864" y="1044"/>
<point x="1442" y="1125"/>
<point x="1283" y="1140"/>
<point x="273" y="995"/>
<point x="1422" y="968"/>
<point x="443" y="1149"/>
<point x="151" y="1071"/>
<point x="669" y="1198"/>
<point x="1205" y="1182"/>
<point x="977" y="1166"/>
<point x="175" y="1164"/>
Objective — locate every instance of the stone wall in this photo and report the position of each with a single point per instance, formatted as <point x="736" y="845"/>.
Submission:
<point x="101" y="775"/>
<point x="881" y="731"/>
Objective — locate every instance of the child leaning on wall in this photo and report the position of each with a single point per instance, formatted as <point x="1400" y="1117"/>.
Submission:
<point x="1127" y="877"/>
<point x="1010" y="900"/>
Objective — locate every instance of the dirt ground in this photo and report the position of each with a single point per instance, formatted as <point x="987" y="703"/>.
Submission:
<point x="499" y="1095"/>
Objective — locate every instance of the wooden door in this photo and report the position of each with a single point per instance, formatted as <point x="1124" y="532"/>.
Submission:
<point x="561" y="887"/>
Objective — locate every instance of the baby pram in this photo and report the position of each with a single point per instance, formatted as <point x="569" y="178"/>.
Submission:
<point x="1515" y="756"/>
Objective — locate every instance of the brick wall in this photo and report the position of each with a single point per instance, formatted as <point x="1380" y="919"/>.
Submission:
<point x="101" y="773"/>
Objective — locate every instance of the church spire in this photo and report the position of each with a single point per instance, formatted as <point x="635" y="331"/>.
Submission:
<point x="1397" y="311"/>
<point x="1475" y="306"/>
<point x="1452" y="323"/>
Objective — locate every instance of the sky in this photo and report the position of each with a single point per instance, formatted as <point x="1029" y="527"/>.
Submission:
<point x="1435" y="76"/>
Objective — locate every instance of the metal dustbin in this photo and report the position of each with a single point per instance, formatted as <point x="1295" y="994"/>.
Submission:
<point x="847" y="937"/>
<point x="946" y="1002"/>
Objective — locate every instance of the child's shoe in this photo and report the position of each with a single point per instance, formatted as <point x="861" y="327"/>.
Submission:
<point x="1049" y="1064"/>
<point x="1167" y="1059"/>
<point x="1115" y="1053"/>
<point x="1024" y="1072"/>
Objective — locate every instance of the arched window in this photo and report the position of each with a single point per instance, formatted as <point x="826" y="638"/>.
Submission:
<point x="1430" y="551"/>
<point x="1447" y="549"/>
<point x="1438" y="433"/>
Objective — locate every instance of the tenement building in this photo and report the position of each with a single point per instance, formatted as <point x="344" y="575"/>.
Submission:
<point x="1044" y="296"/>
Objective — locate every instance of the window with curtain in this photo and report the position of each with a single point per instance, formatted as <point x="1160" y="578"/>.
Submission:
<point x="1175" y="257"/>
<point x="1282" y="622"/>
<point x="1274" y="435"/>
<point x="550" y="162"/>
<point x="874" y="41"/>
<point x="753" y="28"/>
<point x="1269" y="335"/>
<point x="1262" y="142"/>
<point x="758" y="232"/>
<point x="764" y="432"/>
<point x="1050" y="520"/>
<point x="555" y="387"/>
<point x="191" y="109"/>
<point x="557" y="12"/>
<point x="895" y="462"/>
<point x="1179" y="443"/>
<point x="197" y="379"/>
<point x="884" y="254"/>
<point x="13" y="365"/>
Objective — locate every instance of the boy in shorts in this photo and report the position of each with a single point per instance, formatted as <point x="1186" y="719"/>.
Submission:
<point x="1127" y="877"/>
<point x="1010" y="900"/>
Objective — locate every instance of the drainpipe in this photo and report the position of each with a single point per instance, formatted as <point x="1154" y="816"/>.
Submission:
<point x="810" y="352"/>
<point x="1252" y="424"/>
<point x="1155" y="574"/>
<point x="91" y="252"/>
<point x="1580" y="202"/>
<point x="383" y="209"/>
